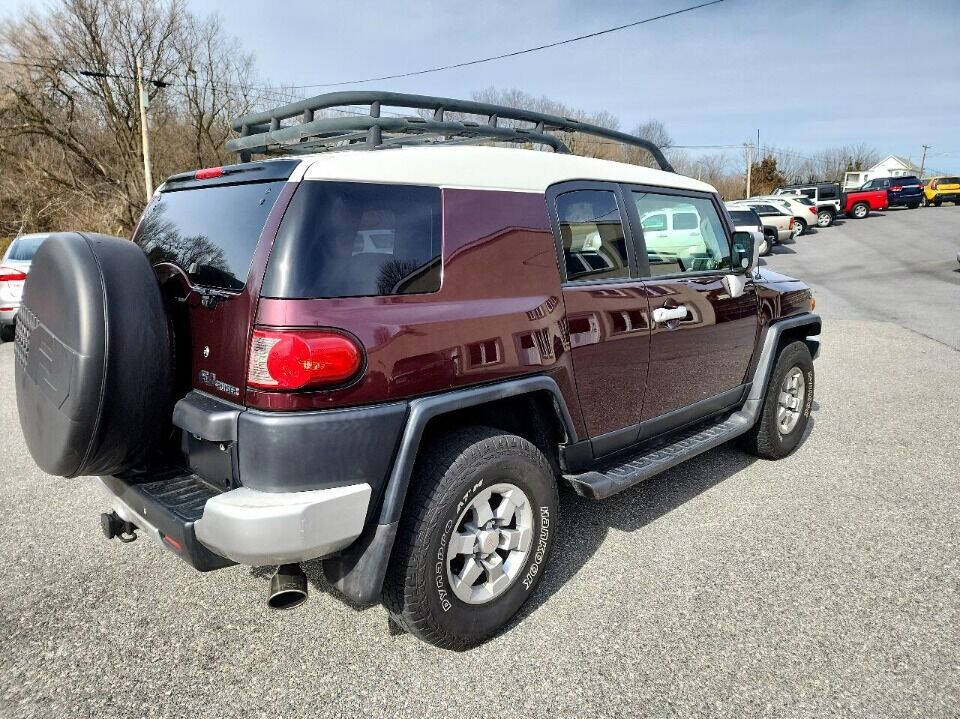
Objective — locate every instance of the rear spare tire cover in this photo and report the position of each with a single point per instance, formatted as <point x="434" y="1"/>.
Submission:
<point x="93" y="369"/>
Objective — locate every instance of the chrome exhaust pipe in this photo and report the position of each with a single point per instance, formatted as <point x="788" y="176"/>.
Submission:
<point x="288" y="587"/>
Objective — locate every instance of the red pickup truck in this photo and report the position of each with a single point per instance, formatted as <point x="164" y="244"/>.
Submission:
<point x="859" y="203"/>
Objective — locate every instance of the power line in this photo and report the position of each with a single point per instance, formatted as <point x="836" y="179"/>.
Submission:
<point x="515" y="53"/>
<point x="467" y="63"/>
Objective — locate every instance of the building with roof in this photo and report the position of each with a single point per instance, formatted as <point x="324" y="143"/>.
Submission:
<point x="892" y="166"/>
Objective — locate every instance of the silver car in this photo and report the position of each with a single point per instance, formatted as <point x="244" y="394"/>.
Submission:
<point x="14" y="268"/>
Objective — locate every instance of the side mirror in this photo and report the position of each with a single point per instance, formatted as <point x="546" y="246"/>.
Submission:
<point x="745" y="252"/>
<point x="745" y="249"/>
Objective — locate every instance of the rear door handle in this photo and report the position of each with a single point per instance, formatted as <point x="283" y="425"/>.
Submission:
<point x="662" y="314"/>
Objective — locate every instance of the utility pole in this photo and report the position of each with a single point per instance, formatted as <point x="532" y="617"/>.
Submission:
<point x="749" y="165"/>
<point x="924" y="160"/>
<point x="144" y="131"/>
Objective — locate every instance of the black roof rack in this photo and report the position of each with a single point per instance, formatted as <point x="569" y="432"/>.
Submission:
<point x="263" y="132"/>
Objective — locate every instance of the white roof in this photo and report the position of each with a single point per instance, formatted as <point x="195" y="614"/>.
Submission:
<point x="488" y="168"/>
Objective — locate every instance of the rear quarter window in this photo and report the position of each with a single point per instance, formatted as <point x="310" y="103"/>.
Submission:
<point x="354" y="239"/>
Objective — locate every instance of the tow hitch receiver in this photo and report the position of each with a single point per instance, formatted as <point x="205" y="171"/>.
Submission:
<point x="113" y="526"/>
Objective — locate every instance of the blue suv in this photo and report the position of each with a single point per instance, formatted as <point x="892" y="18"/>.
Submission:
<point x="905" y="191"/>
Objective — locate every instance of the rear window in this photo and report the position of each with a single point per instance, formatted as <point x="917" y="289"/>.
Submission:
<point x="355" y="239"/>
<point x="210" y="233"/>
<point x="744" y="217"/>
<point x="24" y="248"/>
<point x="686" y="221"/>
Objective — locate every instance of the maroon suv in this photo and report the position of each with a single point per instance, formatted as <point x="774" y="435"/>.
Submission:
<point x="388" y="350"/>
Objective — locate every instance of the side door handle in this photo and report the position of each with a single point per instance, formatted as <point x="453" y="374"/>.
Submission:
<point x="663" y="314"/>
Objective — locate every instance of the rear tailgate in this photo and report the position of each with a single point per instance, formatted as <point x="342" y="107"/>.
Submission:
<point x="210" y="234"/>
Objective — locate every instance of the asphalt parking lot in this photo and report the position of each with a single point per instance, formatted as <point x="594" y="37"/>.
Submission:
<point x="827" y="584"/>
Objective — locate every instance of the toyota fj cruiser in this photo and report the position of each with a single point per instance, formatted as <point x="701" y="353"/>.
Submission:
<point x="392" y="359"/>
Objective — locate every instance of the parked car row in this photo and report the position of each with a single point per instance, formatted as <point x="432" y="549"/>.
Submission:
<point x="792" y="210"/>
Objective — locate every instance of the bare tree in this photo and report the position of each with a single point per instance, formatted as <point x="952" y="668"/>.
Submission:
<point x="69" y="108"/>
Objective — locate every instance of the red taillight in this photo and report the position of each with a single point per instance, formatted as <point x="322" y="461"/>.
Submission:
<point x="813" y="210"/>
<point x="791" y="223"/>
<point x="208" y="173"/>
<point x="8" y="274"/>
<point x="285" y="360"/>
<point x="896" y="188"/>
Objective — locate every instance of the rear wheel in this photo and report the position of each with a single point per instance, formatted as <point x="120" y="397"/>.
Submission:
<point x="824" y="218"/>
<point x="7" y="333"/>
<point x="801" y="226"/>
<point x="786" y="407"/>
<point x="938" y="202"/>
<point x="474" y="539"/>
<point x="913" y="205"/>
<point x="860" y="210"/>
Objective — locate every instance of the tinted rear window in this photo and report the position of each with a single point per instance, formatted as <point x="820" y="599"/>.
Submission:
<point x="353" y="239"/>
<point x="211" y="232"/>
<point x="743" y="217"/>
<point x="24" y="248"/>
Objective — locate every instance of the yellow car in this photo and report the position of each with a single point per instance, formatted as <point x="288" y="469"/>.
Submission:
<point x="942" y="189"/>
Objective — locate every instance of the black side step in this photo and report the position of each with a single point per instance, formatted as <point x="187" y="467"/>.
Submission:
<point x="627" y="470"/>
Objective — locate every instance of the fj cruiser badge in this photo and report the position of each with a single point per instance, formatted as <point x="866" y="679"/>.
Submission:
<point x="209" y="378"/>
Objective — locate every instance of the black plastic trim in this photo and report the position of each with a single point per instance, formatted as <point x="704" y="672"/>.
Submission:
<point x="166" y="519"/>
<point x="298" y="451"/>
<point x="260" y="171"/>
<point x="207" y="416"/>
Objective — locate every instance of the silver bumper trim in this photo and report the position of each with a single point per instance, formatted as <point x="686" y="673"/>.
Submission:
<point x="257" y="528"/>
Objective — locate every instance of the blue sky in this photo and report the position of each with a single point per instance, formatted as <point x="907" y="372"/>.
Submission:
<point x="807" y="73"/>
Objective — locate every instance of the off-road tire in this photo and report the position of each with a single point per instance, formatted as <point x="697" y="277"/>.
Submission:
<point x="7" y="333"/>
<point x="854" y="211"/>
<point x="765" y="439"/>
<point x="453" y="469"/>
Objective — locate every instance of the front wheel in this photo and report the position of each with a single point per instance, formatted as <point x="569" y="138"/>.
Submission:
<point x="786" y="407"/>
<point x="824" y="218"/>
<point x="475" y="537"/>
<point x="860" y="210"/>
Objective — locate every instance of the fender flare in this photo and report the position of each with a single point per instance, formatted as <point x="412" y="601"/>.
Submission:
<point x="359" y="570"/>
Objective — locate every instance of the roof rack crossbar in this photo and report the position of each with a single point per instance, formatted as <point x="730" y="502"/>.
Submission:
<point x="261" y="132"/>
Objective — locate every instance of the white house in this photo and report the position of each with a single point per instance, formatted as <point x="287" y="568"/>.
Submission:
<point x="893" y="166"/>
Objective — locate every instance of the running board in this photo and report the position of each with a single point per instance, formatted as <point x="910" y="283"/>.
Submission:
<point x="628" y="470"/>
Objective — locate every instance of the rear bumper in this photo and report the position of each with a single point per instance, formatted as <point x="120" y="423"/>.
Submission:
<point x="905" y="200"/>
<point x="252" y="527"/>
<point x="8" y="312"/>
<point x="209" y="529"/>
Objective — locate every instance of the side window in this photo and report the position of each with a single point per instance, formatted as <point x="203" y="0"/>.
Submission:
<point x="695" y="241"/>
<point x="594" y="246"/>
<point x="828" y="193"/>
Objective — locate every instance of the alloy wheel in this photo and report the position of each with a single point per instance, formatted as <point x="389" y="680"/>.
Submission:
<point x="489" y="543"/>
<point x="793" y="390"/>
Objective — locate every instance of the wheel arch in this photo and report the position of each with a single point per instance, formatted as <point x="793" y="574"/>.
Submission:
<point x="359" y="571"/>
